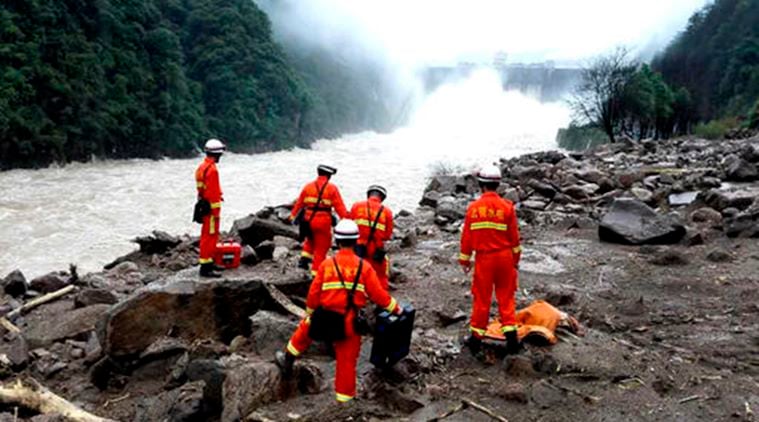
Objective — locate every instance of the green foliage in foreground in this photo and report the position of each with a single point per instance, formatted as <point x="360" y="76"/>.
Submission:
<point x="141" y="78"/>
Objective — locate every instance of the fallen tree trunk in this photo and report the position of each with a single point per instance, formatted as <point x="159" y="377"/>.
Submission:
<point x="38" y="398"/>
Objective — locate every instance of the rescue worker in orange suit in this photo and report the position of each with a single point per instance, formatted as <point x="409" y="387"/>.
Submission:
<point x="329" y="292"/>
<point x="491" y="234"/>
<point x="375" y="226"/>
<point x="209" y="189"/>
<point x="314" y="208"/>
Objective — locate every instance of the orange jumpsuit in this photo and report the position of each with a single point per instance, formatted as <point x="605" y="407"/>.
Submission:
<point x="491" y="231"/>
<point x="328" y="292"/>
<point x="317" y="247"/>
<point x="207" y="181"/>
<point x="364" y="213"/>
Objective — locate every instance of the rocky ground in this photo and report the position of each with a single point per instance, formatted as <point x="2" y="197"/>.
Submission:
<point x="652" y="246"/>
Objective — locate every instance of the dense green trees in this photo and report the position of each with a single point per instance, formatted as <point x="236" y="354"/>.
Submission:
<point x="141" y="78"/>
<point x="717" y="60"/>
<point x="620" y="96"/>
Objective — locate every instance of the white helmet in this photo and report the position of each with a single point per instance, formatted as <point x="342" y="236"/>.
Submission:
<point x="489" y="174"/>
<point x="346" y="230"/>
<point x="215" y="146"/>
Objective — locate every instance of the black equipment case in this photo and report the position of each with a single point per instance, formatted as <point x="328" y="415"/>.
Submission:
<point x="392" y="337"/>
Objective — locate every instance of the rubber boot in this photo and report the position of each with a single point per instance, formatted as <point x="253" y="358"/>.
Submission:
<point x="207" y="270"/>
<point x="304" y="263"/>
<point x="474" y="344"/>
<point x="513" y="346"/>
<point x="285" y="362"/>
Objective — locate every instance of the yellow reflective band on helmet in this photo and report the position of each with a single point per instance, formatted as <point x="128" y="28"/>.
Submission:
<point x="518" y="249"/>
<point x="482" y="225"/>
<point x="392" y="305"/>
<point x="367" y="223"/>
<point x="212" y="225"/>
<point x="507" y="328"/>
<point x="464" y="257"/>
<point x="342" y="398"/>
<point x="292" y="350"/>
<point x="205" y="260"/>
<point x="305" y="254"/>
<point x="335" y="285"/>
<point x="215" y="205"/>
<point x="480" y="331"/>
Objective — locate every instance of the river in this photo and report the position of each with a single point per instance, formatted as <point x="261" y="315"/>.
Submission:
<point x="87" y="213"/>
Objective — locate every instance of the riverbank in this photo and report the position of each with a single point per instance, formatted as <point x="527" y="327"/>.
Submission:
<point x="670" y="330"/>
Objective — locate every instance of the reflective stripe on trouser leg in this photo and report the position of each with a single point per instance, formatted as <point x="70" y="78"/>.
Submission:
<point x="346" y="355"/>
<point x="300" y="341"/>
<point x="482" y="294"/>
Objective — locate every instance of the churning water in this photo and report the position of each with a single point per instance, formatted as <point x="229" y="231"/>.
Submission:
<point x="87" y="213"/>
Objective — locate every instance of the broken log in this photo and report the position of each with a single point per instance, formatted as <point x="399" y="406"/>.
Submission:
<point x="38" y="398"/>
<point x="39" y="301"/>
<point x="285" y="302"/>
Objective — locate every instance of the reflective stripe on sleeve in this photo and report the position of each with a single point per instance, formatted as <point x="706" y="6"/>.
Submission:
<point x="305" y="254"/>
<point x="215" y="205"/>
<point x="212" y="225"/>
<point x="200" y="185"/>
<point x="464" y="257"/>
<point x="313" y="199"/>
<point x="518" y="249"/>
<point x="483" y="225"/>
<point x="367" y="223"/>
<point x="392" y="305"/>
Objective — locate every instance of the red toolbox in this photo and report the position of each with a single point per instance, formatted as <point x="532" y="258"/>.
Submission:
<point x="228" y="254"/>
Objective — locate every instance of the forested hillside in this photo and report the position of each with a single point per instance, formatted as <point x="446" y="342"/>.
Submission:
<point x="142" y="78"/>
<point x="717" y="60"/>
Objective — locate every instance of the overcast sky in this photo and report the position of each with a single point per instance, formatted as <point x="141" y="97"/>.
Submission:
<point x="420" y="32"/>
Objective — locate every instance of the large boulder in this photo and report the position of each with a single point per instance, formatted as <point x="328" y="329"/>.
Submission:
<point x="74" y="324"/>
<point x="737" y="197"/>
<point x="49" y="283"/>
<point x="442" y="183"/>
<point x="451" y="208"/>
<point x="186" y="308"/>
<point x="253" y="230"/>
<point x="629" y="221"/>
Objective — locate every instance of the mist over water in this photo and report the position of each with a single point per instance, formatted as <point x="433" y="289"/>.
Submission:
<point x="87" y="213"/>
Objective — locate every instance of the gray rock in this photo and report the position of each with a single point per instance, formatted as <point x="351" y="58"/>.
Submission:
<point x="740" y="170"/>
<point x="706" y="215"/>
<point x="248" y="256"/>
<point x="719" y="255"/>
<point x="188" y="406"/>
<point x="535" y="205"/>
<point x="740" y="198"/>
<point x="213" y="373"/>
<point x="409" y="238"/>
<point x="543" y="189"/>
<point x="49" y="283"/>
<point x="441" y="183"/>
<point x="745" y="225"/>
<point x="430" y="199"/>
<point x="17" y="351"/>
<point x="74" y="324"/>
<point x="125" y="268"/>
<point x="253" y="230"/>
<point x="279" y="253"/>
<point x="576" y="192"/>
<point x="682" y="198"/>
<point x="251" y="385"/>
<point x="90" y="296"/>
<point x="269" y="331"/>
<point x="451" y="208"/>
<point x="15" y="284"/>
<point x="643" y="195"/>
<point x="668" y="257"/>
<point x="629" y="221"/>
<point x="265" y="250"/>
<point x="591" y="174"/>
<point x="158" y="243"/>
<point x="191" y="309"/>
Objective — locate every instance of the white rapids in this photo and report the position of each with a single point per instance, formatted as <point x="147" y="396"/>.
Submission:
<point x="87" y="213"/>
